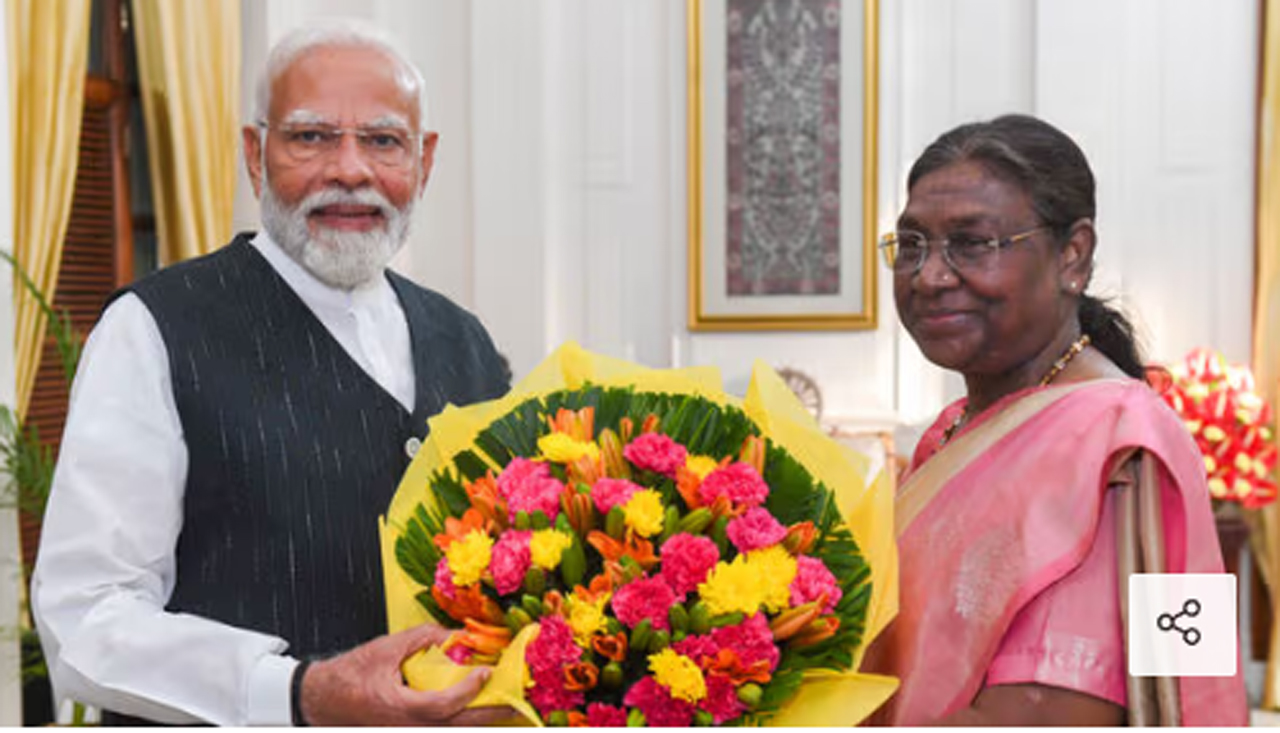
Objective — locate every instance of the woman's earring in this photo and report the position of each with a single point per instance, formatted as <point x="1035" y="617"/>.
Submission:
<point x="1073" y="286"/>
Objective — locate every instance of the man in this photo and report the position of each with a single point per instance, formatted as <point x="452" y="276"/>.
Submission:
<point x="240" y="420"/>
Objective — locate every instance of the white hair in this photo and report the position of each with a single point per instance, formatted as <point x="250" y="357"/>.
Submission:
<point x="341" y="33"/>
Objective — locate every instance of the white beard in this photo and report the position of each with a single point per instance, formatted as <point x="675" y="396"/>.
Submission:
<point x="341" y="259"/>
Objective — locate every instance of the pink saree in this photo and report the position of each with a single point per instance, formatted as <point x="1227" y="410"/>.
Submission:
<point x="1001" y="578"/>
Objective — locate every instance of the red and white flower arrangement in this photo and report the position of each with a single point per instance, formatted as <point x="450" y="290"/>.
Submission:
<point x="1230" y="422"/>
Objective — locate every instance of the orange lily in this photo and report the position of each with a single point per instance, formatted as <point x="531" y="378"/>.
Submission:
<point x="553" y="603"/>
<point x="578" y="719"/>
<point x="455" y="529"/>
<point x="581" y="676"/>
<point x="687" y="483"/>
<point x="727" y="662"/>
<point x="469" y="603"/>
<point x="820" y="630"/>
<point x="611" y="458"/>
<point x="579" y="424"/>
<point x="485" y="641"/>
<point x="601" y="585"/>
<point x="613" y="648"/>
<point x="485" y="499"/>
<point x="640" y="550"/>
<point x="800" y="538"/>
<point x="792" y="621"/>
<point x="585" y="469"/>
<point x="753" y="453"/>
<point x="579" y="510"/>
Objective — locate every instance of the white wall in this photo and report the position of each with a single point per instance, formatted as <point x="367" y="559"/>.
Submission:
<point x="558" y="208"/>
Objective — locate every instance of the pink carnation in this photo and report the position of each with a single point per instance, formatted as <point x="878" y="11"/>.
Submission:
<point x="722" y="699"/>
<point x="697" y="648"/>
<point x="600" y="715"/>
<point x="510" y="561"/>
<point x="751" y="640"/>
<point x="811" y="581"/>
<point x="739" y="482"/>
<point x="686" y="560"/>
<point x="549" y="695"/>
<point x="546" y="657"/>
<point x="660" y="709"/>
<point x="459" y="654"/>
<point x="528" y="486"/>
<point x="655" y="452"/>
<point x="610" y="492"/>
<point x="444" y="580"/>
<point x="643" y="598"/>
<point x="754" y="530"/>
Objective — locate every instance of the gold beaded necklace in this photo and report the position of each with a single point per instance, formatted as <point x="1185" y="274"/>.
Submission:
<point x="1072" y="351"/>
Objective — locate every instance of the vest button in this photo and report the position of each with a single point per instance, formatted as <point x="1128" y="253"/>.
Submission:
<point x="411" y="447"/>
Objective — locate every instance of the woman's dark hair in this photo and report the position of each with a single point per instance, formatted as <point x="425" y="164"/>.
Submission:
<point x="1053" y="171"/>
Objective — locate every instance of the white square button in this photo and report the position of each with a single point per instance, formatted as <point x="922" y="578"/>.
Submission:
<point x="1182" y="625"/>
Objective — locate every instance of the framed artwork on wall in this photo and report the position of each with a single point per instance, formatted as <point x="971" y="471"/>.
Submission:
<point x="782" y="111"/>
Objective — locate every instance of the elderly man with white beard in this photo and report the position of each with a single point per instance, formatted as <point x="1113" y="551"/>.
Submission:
<point x="238" y="422"/>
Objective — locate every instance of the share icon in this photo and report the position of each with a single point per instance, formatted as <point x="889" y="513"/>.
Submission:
<point x="1169" y="622"/>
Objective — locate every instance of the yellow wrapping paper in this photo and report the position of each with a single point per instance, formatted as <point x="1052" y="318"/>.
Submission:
<point x="827" y="698"/>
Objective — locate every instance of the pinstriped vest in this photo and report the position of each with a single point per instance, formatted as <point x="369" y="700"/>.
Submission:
<point x="294" y="449"/>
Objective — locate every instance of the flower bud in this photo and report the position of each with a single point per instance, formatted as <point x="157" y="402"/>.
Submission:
<point x="750" y="694"/>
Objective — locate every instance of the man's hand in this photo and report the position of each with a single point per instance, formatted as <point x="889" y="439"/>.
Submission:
<point x="364" y="687"/>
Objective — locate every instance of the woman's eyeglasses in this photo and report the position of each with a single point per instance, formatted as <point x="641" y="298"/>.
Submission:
<point x="905" y="251"/>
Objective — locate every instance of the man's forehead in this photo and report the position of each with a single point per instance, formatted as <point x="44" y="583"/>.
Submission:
<point x="335" y="81"/>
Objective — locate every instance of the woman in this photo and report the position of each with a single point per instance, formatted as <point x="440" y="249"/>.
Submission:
<point x="1010" y="605"/>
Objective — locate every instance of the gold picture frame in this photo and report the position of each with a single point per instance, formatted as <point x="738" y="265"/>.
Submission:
<point x="711" y="306"/>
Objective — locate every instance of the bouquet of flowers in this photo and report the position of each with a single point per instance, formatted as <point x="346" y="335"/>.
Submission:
<point x="1231" y="424"/>
<point x="640" y="550"/>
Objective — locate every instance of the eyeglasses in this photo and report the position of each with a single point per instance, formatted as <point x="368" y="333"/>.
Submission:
<point x="906" y="251"/>
<point x="392" y="147"/>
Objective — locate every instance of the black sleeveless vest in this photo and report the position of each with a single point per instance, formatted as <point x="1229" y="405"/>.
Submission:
<point x="294" y="449"/>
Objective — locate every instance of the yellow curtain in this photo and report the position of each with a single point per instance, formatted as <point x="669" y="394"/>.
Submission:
<point x="189" y="69"/>
<point x="1266" y="341"/>
<point x="49" y="49"/>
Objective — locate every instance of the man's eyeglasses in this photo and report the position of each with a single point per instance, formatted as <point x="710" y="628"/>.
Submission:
<point x="392" y="147"/>
<point x="905" y="251"/>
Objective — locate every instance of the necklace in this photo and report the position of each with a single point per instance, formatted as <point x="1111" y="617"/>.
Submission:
<point x="1072" y="351"/>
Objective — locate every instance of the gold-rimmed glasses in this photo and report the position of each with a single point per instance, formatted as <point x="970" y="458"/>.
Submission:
<point x="906" y="250"/>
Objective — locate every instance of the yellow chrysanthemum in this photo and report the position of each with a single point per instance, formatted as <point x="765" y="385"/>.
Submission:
<point x="546" y="546"/>
<point x="752" y="581"/>
<point x="562" y="448"/>
<point x="644" y="513"/>
<point x="678" y="674"/>
<point x="701" y="465"/>
<point x="776" y="568"/>
<point x="586" y="618"/>
<point x="469" y="557"/>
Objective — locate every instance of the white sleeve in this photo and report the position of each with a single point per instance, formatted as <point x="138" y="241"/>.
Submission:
<point x="106" y="563"/>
